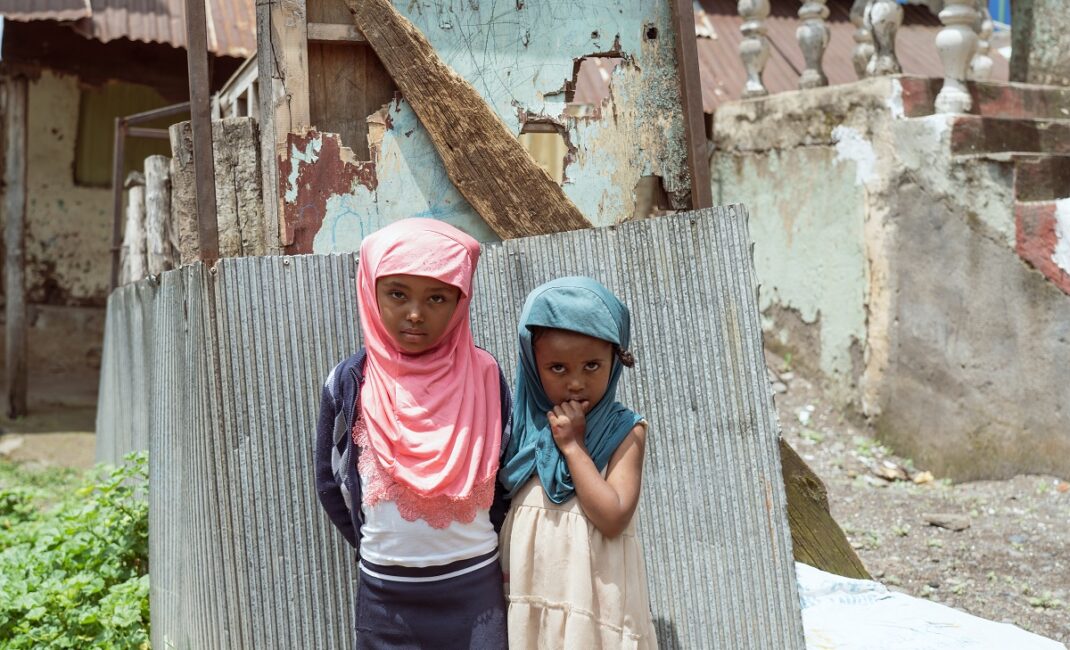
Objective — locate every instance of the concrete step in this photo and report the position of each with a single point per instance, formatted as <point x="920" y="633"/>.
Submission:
<point x="975" y="134"/>
<point x="990" y="99"/>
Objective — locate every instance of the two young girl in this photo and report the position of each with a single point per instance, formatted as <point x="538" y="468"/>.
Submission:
<point x="414" y="428"/>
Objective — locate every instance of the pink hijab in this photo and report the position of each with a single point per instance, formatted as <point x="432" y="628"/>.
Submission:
<point x="433" y="420"/>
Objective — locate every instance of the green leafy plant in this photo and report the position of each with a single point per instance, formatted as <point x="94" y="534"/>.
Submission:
<point x="74" y="574"/>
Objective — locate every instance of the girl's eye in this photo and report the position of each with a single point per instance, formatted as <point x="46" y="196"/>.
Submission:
<point x="438" y="299"/>
<point x="557" y="368"/>
<point x="396" y="295"/>
<point x="592" y="366"/>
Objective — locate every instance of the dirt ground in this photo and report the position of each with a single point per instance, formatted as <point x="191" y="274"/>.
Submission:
<point x="58" y="431"/>
<point x="1010" y="560"/>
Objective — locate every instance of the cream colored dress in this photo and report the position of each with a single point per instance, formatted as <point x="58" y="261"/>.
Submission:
<point x="568" y="585"/>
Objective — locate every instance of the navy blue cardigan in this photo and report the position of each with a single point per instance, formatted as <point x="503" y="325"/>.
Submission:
<point x="337" y="483"/>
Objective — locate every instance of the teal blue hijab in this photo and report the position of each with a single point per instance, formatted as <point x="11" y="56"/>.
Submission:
<point x="580" y="305"/>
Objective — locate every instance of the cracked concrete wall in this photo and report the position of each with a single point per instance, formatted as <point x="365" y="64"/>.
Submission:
<point x="894" y="266"/>
<point x="520" y="56"/>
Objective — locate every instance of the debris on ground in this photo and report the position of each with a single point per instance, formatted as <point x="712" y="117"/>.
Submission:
<point x="1010" y="565"/>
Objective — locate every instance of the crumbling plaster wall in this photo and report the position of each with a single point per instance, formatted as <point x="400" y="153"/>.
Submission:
<point x="808" y="167"/>
<point x="68" y="237"/>
<point x="520" y="56"/>
<point x="964" y="345"/>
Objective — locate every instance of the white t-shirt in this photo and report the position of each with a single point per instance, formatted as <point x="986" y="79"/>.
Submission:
<point x="388" y="538"/>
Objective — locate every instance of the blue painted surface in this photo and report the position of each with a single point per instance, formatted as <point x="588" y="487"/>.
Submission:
<point x="519" y="55"/>
<point x="413" y="183"/>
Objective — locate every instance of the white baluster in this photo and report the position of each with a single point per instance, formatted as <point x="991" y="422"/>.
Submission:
<point x="863" y="51"/>
<point x="754" y="48"/>
<point x="883" y="18"/>
<point x="813" y="36"/>
<point x="956" y="43"/>
<point x="981" y="66"/>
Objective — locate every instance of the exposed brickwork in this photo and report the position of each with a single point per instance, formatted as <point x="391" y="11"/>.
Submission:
<point x="1036" y="239"/>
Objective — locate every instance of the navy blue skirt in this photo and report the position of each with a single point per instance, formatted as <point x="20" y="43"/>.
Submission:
<point x="465" y="612"/>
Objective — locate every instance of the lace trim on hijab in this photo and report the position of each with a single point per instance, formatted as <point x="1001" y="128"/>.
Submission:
<point x="438" y="511"/>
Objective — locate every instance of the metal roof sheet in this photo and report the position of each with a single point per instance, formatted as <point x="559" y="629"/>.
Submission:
<point x="231" y="23"/>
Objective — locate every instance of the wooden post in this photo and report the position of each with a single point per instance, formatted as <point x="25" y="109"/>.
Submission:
<point x="183" y="195"/>
<point x="481" y="155"/>
<point x="117" y="164"/>
<point x="201" y="117"/>
<point x="698" y="159"/>
<point x="282" y="44"/>
<point x="15" y="115"/>
<point x="158" y="214"/>
<point x="134" y="266"/>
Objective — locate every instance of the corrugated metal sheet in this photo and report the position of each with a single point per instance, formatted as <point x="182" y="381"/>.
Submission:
<point x="47" y="10"/>
<point x="241" y="554"/>
<point x="231" y="23"/>
<point x="722" y="70"/>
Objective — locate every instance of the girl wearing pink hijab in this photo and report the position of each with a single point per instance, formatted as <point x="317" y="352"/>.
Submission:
<point x="408" y="445"/>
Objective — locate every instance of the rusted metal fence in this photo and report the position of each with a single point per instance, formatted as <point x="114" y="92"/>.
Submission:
<point x="218" y="373"/>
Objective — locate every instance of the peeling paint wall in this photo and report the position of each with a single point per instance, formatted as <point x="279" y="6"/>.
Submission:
<point x="924" y="279"/>
<point x="807" y="223"/>
<point x="522" y="57"/>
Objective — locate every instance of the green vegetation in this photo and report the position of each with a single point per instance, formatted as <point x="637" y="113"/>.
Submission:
<point x="74" y="558"/>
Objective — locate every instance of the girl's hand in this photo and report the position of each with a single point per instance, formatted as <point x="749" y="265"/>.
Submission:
<point x="569" y="426"/>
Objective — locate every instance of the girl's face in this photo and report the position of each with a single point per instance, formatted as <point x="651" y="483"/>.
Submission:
<point x="573" y="366"/>
<point x="415" y="310"/>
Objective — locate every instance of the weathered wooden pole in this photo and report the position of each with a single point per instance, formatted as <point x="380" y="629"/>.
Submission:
<point x="687" y="70"/>
<point x="158" y="214"/>
<point x="16" y="91"/>
<point x="117" y="164"/>
<point x="201" y="117"/>
<point x="134" y="265"/>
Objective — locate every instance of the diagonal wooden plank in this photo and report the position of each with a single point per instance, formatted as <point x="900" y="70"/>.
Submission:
<point x="482" y="157"/>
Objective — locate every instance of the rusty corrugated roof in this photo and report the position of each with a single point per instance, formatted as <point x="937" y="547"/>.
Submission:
<point x="231" y="23"/>
<point x="722" y="71"/>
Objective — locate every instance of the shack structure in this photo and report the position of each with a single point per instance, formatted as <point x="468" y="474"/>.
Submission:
<point x="70" y="70"/>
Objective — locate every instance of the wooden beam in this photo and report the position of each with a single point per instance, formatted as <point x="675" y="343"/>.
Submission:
<point x="16" y="369"/>
<point x="698" y="158"/>
<point x="482" y="156"/>
<point x="816" y="538"/>
<point x="201" y="116"/>
<point x="328" y="33"/>
<point x="282" y="60"/>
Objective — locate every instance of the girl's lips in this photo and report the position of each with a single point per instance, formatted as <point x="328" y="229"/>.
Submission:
<point x="412" y="335"/>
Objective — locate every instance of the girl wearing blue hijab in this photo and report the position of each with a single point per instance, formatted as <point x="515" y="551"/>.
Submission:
<point x="574" y="569"/>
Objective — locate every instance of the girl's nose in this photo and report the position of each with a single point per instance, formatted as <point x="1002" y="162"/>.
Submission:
<point x="414" y="316"/>
<point x="575" y="384"/>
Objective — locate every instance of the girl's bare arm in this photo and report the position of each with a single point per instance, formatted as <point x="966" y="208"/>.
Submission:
<point x="610" y="502"/>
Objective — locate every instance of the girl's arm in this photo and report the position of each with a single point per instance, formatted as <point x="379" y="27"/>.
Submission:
<point x="327" y="488"/>
<point x="610" y="502"/>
